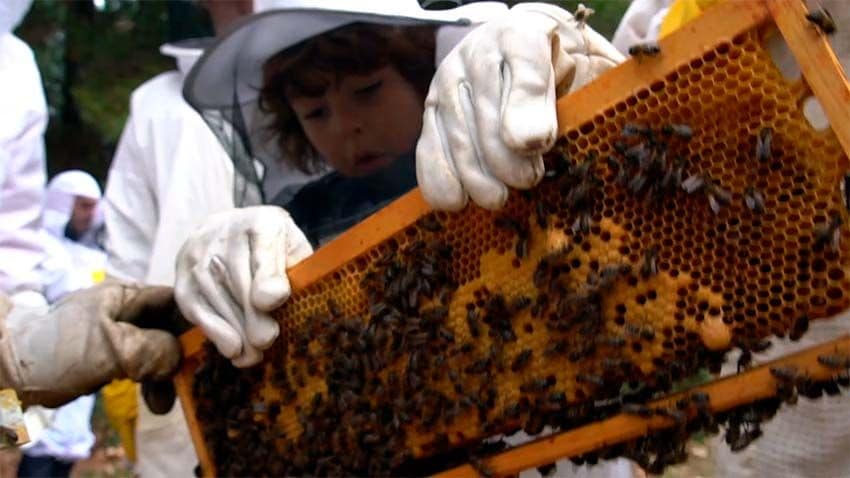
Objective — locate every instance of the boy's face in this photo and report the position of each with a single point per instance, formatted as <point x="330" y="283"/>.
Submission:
<point x="363" y="122"/>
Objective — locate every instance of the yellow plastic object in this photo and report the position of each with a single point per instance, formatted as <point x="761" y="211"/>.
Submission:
<point x="730" y="275"/>
<point x="98" y="276"/>
<point x="120" y="403"/>
<point x="682" y="12"/>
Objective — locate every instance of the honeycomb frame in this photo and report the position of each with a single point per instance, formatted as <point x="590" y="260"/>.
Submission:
<point x="629" y="88"/>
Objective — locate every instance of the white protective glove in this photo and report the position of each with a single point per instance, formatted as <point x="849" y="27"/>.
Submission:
<point x="231" y="273"/>
<point x="490" y="111"/>
<point x="86" y="340"/>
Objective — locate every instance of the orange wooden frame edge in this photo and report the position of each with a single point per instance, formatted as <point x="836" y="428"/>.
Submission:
<point x="725" y="393"/>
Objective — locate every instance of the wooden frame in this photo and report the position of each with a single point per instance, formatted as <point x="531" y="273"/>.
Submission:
<point x="821" y="71"/>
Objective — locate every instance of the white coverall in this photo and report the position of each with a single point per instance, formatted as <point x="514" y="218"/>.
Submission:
<point x="71" y="264"/>
<point x="168" y="174"/>
<point x="22" y="169"/>
<point x="812" y="438"/>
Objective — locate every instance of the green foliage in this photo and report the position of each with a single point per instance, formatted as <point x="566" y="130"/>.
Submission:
<point x="114" y="51"/>
<point x="90" y="61"/>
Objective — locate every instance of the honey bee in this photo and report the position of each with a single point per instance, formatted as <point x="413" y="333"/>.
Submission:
<point x="829" y="233"/>
<point x="700" y="399"/>
<point x="650" y="262"/>
<point x="632" y="129"/>
<point x="521" y="248"/>
<point x="834" y="361"/>
<point x="717" y="196"/>
<point x="582" y="13"/>
<point x="753" y="200"/>
<point x="764" y="143"/>
<point x="639" y="50"/>
<point x="822" y="19"/>
<point x="681" y="130"/>
<point x="745" y="359"/>
<point x="581" y="224"/>
<point x="693" y="183"/>
<point x="798" y="328"/>
<point x="541" y="215"/>
<point x="589" y="378"/>
<point x="472" y="322"/>
<point x="638" y="409"/>
<point x="845" y="190"/>
<point x="538" y="385"/>
<point x="430" y="223"/>
<point x="546" y="470"/>
<point x="521" y="360"/>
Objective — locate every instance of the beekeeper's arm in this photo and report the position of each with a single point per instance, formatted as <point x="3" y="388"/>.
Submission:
<point x="153" y="201"/>
<point x="640" y="23"/>
<point x="648" y="20"/>
<point x="22" y="168"/>
<point x="489" y="115"/>
<point x="86" y="340"/>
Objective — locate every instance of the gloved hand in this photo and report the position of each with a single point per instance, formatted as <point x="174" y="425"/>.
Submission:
<point x="232" y="272"/>
<point x="490" y="111"/>
<point x="85" y="341"/>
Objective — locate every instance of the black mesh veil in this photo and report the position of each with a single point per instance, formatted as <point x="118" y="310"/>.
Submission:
<point x="248" y="174"/>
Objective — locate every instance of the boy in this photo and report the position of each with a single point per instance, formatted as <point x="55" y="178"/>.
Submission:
<point x="278" y="86"/>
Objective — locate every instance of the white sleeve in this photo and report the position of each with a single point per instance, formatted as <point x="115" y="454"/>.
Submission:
<point x="169" y="173"/>
<point x="22" y="166"/>
<point x="199" y="183"/>
<point x="129" y="206"/>
<point x="640" y="24"/>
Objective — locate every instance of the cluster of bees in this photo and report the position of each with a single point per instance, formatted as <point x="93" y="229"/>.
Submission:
<point x="403" y="369"/>
<point x="586" y="297"/>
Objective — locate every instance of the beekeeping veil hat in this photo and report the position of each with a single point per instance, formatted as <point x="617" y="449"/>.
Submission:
<point x="224" y="84"/>
<point x="11" y="14"/>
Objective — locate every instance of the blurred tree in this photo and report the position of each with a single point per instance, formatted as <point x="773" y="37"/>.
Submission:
<point x="91" y="57"/>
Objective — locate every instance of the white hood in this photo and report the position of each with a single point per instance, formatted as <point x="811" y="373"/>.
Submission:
<point x="59" y="199"/>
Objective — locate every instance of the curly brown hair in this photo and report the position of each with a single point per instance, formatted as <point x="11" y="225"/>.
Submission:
<point x="312" y="66"/>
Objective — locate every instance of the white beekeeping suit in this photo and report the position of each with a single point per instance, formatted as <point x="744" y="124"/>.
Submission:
<point x="71" y="264"/>
<point x="168" y="174"/>
<point x="22" y="168"/>
<point x="810" y="439"/>
<point x="65" y="433"/>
